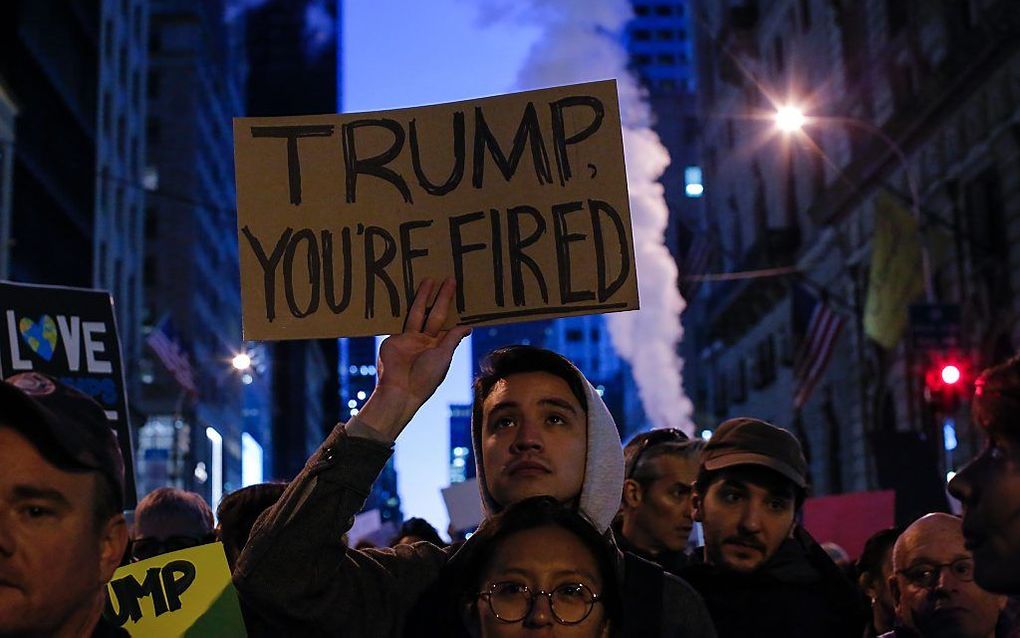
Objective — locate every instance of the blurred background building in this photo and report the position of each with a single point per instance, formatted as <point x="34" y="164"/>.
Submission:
<point x="910" y="147"/>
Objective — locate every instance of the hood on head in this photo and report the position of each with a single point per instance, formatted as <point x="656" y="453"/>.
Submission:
<point x="603" y="467"/>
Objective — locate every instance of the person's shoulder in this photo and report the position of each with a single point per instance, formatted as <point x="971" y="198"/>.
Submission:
<point x="685" y="605"/>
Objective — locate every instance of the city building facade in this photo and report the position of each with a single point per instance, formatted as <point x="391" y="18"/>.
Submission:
<point x="292" y="56"/>
<point x="912" y="114"/>
<point x="119" y="225"/>
<point x="195" y="86"/>
<point x="49" y="74"/>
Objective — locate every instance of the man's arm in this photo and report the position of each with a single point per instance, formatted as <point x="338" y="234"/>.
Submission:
<point x="295" y="571"/>
<point x="413" y="363"/>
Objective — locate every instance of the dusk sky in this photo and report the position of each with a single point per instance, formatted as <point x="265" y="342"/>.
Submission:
<point x="405" y="53"/>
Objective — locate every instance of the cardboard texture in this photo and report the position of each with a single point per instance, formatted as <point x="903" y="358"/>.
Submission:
<point x="69" y="334"/>
<point x="183" y="593"/>
<point x="521" y="197"/>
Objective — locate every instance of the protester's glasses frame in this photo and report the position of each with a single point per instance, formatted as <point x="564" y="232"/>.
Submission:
<point x="501" y="594"/>
<point x="927" y="575"/>
<point x="165" y="545"/>
<point x="651" y="439"/>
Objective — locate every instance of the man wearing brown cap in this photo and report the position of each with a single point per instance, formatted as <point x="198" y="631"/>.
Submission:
<point x="62" y="532"/>
<point x="759" y="572"/>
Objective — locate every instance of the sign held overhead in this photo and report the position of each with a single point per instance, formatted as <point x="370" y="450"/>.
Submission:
<point x="522" y="198"/>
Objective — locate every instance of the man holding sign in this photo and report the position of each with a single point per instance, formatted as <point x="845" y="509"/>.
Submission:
<point x="539" y="428"/>
<point x="62" y="533"/>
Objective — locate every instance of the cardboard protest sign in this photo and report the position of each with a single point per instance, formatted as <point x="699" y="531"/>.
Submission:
<point x="183" y="593"/>
<point x="464" y="504"/>
<point x="522" y="198"/>
<point x="825" y="517"/>
<point x="70" y="334"/>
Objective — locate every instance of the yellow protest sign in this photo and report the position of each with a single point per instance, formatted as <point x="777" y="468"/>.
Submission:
<point x="184" y="593"/>
<point x="521" y="197"/>
<point x="896" y="278"/>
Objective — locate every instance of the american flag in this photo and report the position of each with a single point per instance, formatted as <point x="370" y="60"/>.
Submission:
<point x="820" y="326"/>
<point x="163" y="341"/>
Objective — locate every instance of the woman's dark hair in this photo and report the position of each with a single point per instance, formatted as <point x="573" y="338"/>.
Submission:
<point x="468" y="564"/>
<point x="418" y="528"/>
<point x="500" y="364"/>
<point x="875" y="549"/>
<point x="997" y="399"/>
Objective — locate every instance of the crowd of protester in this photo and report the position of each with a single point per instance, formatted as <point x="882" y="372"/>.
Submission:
<point x="581" y="536"/>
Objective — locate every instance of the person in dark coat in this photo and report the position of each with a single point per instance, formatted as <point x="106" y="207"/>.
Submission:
<point x="656" y="517"/>
<point x="874" y="568"/>
<point x="989" y="486"/>
<point x="537" y="567"/>
<point x="933" y="585"/>
<point x="539" y="429"/>
<point x="760" y="573"/>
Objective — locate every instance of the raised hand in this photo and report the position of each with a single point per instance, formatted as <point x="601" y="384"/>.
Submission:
<point x="413" y="363"/>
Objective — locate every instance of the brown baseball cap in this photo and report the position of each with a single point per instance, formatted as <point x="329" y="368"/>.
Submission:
<point x="67" y="427"/>
<point x="745" y="441"/>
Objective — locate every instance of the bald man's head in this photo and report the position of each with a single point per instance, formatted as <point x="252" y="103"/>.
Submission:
<point x="933" y="582"/>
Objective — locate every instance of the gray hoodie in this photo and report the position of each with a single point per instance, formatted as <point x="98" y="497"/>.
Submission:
<point x="603" y="466"/>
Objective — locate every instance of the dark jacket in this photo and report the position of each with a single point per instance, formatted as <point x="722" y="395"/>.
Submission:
<point x="298" y="578"/>
<point x="672" y="562"/>
<point x="798" y="593"/>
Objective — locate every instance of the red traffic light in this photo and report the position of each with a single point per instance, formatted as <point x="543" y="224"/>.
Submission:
<point x="950" y="374"/>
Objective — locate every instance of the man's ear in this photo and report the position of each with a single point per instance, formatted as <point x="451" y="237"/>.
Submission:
<point x="894" y="589"/>
<point x="113" y="539"/>
<point x="866" y="584"/>
<point x="697" y="506"/>
<point x="632" y="494"/>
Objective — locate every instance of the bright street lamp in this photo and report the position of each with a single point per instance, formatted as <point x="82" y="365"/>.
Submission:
<point x="789" y="119"/>
<point x="241" y="361"/>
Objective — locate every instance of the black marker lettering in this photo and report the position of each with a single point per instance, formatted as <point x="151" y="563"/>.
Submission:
<point x="517" y="256"/>
<point x="375" y="165"/>
<point x="375" y="268"/>
<point x="561" y="141"/>
<point x="458" y="158"/>
<point x="497" y="256"/>
<point x="312" y="262"/>
<point x="596" y="207"/>
<point x="292" y="133"/>
<point x="269" y="265"/>
<point x="408" y="254"/>
<point x="175" y="586"/>
<point x="327" y="270"/>
<point x="563" y="241"/>
<point x="458" y="249"/>
<point x="528" y="131"/>
<point x="129" y="592"/>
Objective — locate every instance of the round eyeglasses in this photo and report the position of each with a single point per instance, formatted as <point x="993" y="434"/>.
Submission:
<point x="927" y="575"/>
<point x="511" y="602"/>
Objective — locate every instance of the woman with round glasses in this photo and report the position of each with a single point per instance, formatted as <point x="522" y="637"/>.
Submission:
<point x="537" y="568"/>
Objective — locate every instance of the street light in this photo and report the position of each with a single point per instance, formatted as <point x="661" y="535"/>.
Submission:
<point x="241" y="361"/>
<point x="790" y="119"/>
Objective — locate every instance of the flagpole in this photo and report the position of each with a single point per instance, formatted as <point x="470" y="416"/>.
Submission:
<point x="915" y="192"/>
